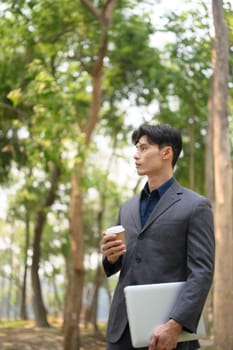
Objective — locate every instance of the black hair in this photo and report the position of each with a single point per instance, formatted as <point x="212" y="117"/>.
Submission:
<point x="162" y="135"/>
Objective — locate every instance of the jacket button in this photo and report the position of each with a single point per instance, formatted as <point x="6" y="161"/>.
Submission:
<point x="138" y="259"/>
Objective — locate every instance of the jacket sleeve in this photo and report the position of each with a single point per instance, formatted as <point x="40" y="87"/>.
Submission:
<point x="200" y="267"/>
<point x="111" y="269"/>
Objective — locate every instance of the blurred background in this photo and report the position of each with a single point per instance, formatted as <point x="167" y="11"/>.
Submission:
<point x="76" y="78"/>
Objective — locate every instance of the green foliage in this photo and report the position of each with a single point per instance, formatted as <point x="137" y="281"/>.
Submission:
<point x="185" y="87"/>
<point x="133" y="64"/>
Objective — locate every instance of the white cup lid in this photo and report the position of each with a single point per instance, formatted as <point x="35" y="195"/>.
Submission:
<point x="115" y="229"/>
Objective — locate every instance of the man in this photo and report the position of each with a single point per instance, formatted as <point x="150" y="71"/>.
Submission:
<point x="169" y="237"/>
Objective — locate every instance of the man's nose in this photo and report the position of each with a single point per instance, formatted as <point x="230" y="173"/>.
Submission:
<point x="136" y="155"/>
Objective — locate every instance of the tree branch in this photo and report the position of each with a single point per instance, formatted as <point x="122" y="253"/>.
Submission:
<point x="19" y="112"/>
<point x="105" y="21"/>
<point x="92" y="9"/>
<point x="107" y="13"/>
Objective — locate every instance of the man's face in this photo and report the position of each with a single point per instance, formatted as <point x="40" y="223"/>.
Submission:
<point x="148" y="158"/>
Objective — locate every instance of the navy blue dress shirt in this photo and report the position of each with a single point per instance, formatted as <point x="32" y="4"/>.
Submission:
<point x="149" y="199"/>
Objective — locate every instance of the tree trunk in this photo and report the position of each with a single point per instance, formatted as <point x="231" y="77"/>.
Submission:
<point x="38" y="304"/>
<point x="209" y="158"/>
<point x="23" y="307"/>
<point x="209" y="192"/>
<point x="191" y="155"/>
<point x="10" y="280"/>
<point x="74" y="298"/>
<point x="76" y="280"/>
<point x="223" y="301"/>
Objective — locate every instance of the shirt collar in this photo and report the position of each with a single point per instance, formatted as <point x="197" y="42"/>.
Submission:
<point x="160" y="190"/>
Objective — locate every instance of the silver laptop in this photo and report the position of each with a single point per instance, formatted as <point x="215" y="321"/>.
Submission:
<point x="148" y="306"/>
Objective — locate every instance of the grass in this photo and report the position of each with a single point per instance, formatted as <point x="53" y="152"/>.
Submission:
<point x="15" y="324"/>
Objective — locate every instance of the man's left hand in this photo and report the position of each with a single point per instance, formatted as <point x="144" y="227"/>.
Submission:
<point x="165" y="337"/>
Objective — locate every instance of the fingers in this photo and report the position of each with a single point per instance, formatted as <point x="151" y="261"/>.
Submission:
<point x="165" y="336"/>
<point x="111" y="245"/>
<point x="112" y="248"/>
<point x="153" y="343"/>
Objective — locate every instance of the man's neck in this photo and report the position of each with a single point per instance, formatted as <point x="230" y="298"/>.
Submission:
<point x="156" y="181"/>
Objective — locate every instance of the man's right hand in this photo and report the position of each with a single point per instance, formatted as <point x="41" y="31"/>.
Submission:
<point x="112" y="247"/>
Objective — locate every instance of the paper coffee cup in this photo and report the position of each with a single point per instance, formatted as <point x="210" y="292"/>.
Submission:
<point x="119" y="231"/>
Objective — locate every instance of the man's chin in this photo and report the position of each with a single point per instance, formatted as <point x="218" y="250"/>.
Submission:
<point x="140" y="172"/>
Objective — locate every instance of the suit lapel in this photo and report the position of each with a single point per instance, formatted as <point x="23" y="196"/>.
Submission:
<point x="135" y="211"/>
<point x="171" y="196"/>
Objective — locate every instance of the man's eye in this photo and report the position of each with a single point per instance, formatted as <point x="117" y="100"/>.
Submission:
<point x="142" y="148"/>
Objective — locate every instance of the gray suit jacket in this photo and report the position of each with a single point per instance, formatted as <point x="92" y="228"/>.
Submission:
<point x="176" y="244"/>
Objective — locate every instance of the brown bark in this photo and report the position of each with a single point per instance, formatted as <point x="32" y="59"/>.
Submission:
<point x="105" y="20"/>
<point x="223" y="287"/>
<point x="209" y="159"/>
<point x="23" y="307"/>
<point x="10" y="280"/>
<point x="38" y="304"/>
<point x="191" y="155"/>
<point x="209" y="192"/>
<point x="76" y="279"/>
<point x="74" y="298"/>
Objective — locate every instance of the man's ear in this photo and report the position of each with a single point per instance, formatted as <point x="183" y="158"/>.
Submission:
<point x="167" y="151"/>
